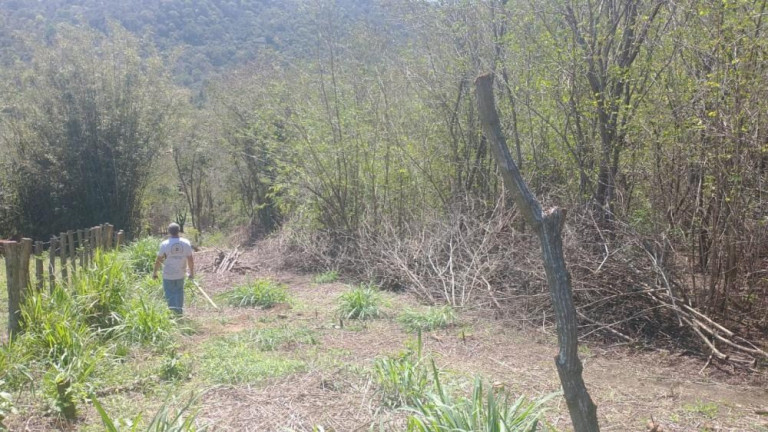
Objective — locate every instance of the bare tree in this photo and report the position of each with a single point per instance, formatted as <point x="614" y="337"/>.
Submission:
<point x="548" y="226"/>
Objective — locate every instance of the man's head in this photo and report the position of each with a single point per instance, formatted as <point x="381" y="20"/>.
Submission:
<point x="173" y="229"/>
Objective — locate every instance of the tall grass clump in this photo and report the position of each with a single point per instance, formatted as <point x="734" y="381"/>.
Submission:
<point x="363" y="302"/>
<point x="101" y="289"/>
<point x="147" y="322"/>
<point x="433" y="318"/>
<point x="483" y="411"/>
<point x="402" y="380"/>
<point x="142" y="253"/>
<point x="263" y="293"/>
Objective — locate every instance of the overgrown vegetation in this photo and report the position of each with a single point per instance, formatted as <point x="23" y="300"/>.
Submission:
<point x="329" y="276"/>
<point x="263" y="293"/>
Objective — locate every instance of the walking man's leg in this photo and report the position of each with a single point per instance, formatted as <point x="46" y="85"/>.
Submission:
<point x="174" y="294"/>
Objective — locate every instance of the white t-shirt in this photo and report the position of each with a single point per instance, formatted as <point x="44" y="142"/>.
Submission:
<point x="175" y="250"/>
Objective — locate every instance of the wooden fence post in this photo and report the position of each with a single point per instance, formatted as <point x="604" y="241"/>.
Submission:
<point x="52" y="263"/>
<point x="109" y="230"/>
<point x="39" y="278"/>
<point x="26" y="252"/>
<point x="120" y="238"/>
<point x="11" y="249"/>
<point x="80" y="248"/>
<point x="63" y="256"/>
<point x="99" y="242"/>
<point x="72" y="250"/>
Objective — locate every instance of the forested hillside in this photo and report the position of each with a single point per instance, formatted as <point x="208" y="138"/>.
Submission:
<point x="350" y="129"/>
<point x="202" y="38"/>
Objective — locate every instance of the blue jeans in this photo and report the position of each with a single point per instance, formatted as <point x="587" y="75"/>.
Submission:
<point x="174" y="294"/>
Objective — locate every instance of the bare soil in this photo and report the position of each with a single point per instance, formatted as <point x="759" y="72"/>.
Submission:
<point x="634" y="390"/>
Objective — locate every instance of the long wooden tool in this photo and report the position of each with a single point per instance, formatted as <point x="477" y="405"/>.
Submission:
<point x="194" y="282"/>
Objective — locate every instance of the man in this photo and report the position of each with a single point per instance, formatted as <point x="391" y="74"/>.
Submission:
<point x="176" y="252"/>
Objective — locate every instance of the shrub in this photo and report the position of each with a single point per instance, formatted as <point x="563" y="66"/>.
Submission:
<point x="401" y="380"/>
<point x="433" y="318"/>
<point x="362" y="303"/>
<point x="261" y="292"/>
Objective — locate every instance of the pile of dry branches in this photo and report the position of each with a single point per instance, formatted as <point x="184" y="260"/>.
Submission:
<point x="627" y="287"/>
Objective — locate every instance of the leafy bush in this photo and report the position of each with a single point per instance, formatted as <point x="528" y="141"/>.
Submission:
<point x="433" y="318"/>
<point x="261" y="292"/>
<point x="327" y="277"/>
<point x="175" y="367"/>
<point x="6" y="405"/>
<point x="484" y="411"/>
<point x="362" y="303"/>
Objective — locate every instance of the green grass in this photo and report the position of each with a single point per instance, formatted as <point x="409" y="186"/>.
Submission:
<point x="166" y="419"/>
<point x="363" y="302"/>
<point x="431" y="319"/>
<point x="263" y="293"/>
<point x="485" y="410"/>
<point x="326" y="277"/>
<point x="237" y="360"/>
<point x="402" y="380"/>
<point x="142" y="253"/>
<point x="706" y="409"/>
<point x="271" y="339"/>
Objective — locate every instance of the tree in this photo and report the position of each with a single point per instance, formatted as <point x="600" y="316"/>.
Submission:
<point x="91" y="115"/>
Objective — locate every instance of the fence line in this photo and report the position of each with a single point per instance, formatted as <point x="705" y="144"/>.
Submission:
<point x="74" y="248"/>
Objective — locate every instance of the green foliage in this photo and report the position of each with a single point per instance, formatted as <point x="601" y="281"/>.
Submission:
<point x="142" y="254"/>
<point x="235" y="360"/>
<point x="402" y="380"/>
<point x="433" y="318"/>
<point x="326" y="277"/>
<point x="484" y="411"/>
<point x="270" y="339"/>
<point x="88" y="129"/>
<point x="6" y="405"/>
<point x="148" y="322"/>
<point x="176" y="367"/>
<point x="165" y="420"/>
<point x="363" y="302"/>
<point x="264" y="293"/>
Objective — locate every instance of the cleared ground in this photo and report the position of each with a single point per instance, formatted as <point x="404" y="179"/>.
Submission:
<point x="317" y="372"/>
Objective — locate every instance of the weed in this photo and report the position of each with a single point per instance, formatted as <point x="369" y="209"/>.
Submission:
<point x="362" y="303"/>
<point x="402" y="380"/>
<point x="270" y="339"/>
<point x="165" y="420"/>
<point x="234" y="360"/>
<point x="326" y="277"/>
<point x="433" y="318"/>
<point x="484" y="411"/>
<point x="147" y="322"/>
<point x="707" y="409"/>
<point x="175" y="367"/>
<point x="142" y="253"/>
<point x="6" y="405"/>
<point x="261" y="292"/>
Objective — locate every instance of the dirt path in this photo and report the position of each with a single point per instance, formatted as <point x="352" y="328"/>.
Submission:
<point x="630" y="389"/>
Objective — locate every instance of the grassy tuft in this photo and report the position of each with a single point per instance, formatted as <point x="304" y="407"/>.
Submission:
<point x="363" y="302"/>
<point x="326" y="277"/>
<point x="433" y="318"/>
<point x="485" y="410"/>
<point x="261" y="292"/>
<point x="166" y="419"/>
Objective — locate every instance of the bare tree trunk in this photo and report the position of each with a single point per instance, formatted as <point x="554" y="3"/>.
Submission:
<point x="549" y="228"/>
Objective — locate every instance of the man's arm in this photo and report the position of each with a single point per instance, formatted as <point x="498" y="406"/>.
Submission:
<point x="191" y="265"/>
<point x="158" y="263"/>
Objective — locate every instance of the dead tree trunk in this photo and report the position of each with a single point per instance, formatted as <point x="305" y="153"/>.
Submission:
<point x="548" y="226"/>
